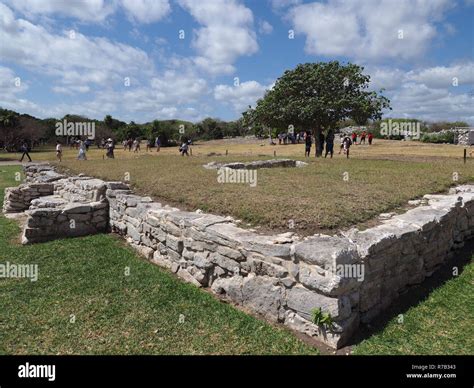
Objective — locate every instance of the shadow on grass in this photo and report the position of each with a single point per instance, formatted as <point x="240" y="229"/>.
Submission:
<point x="416" y="294"/>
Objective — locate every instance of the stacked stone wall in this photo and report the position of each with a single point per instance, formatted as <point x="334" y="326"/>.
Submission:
<point x="352" y="277"/>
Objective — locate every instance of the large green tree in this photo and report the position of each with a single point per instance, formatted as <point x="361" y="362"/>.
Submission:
<point x="316" y="96"/>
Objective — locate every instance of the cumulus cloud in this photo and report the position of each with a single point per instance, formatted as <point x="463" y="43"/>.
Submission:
<point x="178" y="88"/>
<point x="11" y="88"/>
<point x="96" y="67"/>
<point x="281" y="4"/>
<point x="427" y="93"/>
<point x="226" y="33"/>
<point x="147" y="11"/>
<point x="241" y="96"/>
<point x="10" y="83"/>
<point x="372" y="29"/>
<point x="75" y="59"/>
<point x="85" y="10"/>
<point x="264" y="27"/>
<point x="445" y="76"/>
<point x="93" y="11"/>
<point x="422" y="102"/>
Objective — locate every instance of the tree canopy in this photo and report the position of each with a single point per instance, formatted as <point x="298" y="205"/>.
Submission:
<point x="317" y="96"/>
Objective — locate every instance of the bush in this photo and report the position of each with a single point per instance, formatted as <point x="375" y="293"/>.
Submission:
<point x="438" y="137"/>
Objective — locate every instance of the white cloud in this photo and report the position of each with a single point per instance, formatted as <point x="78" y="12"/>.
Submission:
<point x="85" y="10"/>
<point x="93" y="11"/>
<point x="388" y="78"/>
<point x="241" y="96"/>
<point x="280" y="4"/>
<point x="10" y="83"/>
<point x="264" y="27"/>
<point x="168" y="95"/>
<point x="93" y="70"/>
<point x="444" y="77"/>
<point x="225" y="35"/>
<point x="427" y="93"/>
<point x="418" y="101"/>
<point x="71" y="89"/>
<point x="11" y="87"/>
<point x="178" y="88"/>
<point x="76" y="61"/>
<point x="369" y="29"/>
<point x="146" y="11"/>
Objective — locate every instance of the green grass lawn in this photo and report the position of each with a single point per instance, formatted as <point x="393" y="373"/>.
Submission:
<point x="441" y="324"/>
<point x="83" y="280"/>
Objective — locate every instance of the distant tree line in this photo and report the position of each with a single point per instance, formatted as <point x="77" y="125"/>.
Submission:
<point x="16" y="128"/>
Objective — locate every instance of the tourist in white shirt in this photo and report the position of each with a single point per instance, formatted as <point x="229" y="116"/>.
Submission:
<point x="59" y="151"/>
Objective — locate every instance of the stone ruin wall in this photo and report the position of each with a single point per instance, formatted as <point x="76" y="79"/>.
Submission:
<point x="465" y="137"/>
<point x="280" y="277"/>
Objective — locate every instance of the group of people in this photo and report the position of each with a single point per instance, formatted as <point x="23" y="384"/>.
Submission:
<point x="108" y="145"/>
<point x="329" y="140"/>
<point x="131" y="144"/>
<point x="363" y="135"/>
<point x="346" y="142"/>
<point x="134" y="144"/>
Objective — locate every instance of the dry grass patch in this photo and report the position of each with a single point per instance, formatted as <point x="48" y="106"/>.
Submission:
<point x="316" y="198"/>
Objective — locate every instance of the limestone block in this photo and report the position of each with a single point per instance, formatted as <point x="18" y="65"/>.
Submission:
<point x="326" y="251"/>
<point x="303" y="301"/>
<point x="262" y="296"/>
<point x="327" y="282"/>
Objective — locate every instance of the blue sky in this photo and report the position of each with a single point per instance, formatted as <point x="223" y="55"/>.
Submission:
<point x="126" y="58"/>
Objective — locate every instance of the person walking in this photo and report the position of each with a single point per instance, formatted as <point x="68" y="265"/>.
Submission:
<point x="24" y="150"/>
<point x="347" y="142"/>
<point x="184" y="148"/>
<point x="320" y="144"/>
<point x="110" y="148"/>
<point x="59" y="151"/>
<point x="354" y="137"/>
<point x="82" y="151"/>
<point x="329" y="144"/>
<point x="157" y="144"/>
<point x="136" y="145"/>
<point x="362" y="137"/>
<point x="341" y="138"/>
<point x="148" y="145"/>
<point x="370" y="137"/>
<point x="307" y="142"/>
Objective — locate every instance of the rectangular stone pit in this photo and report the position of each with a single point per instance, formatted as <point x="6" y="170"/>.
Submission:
<point x="353" y="277"/>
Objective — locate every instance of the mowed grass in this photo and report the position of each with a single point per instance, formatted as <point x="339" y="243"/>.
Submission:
<point x="442" y="324"/>
<point x="83" y="303"/>
<point x="326" y="195"/>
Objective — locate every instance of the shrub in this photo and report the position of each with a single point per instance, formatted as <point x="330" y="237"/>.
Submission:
<point x="438" y="137"/>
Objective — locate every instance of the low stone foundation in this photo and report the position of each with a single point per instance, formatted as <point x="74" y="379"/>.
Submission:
<point x="273" y="163"/>
<point x="53" y="217"/>
<point x="351" y="277"/>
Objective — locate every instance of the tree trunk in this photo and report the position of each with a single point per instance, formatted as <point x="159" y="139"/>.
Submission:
<point x="319" y="146"/>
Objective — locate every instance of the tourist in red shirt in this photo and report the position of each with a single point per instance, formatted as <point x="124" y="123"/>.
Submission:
<point x="370" y="137"/>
